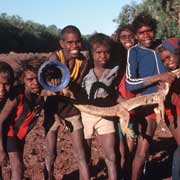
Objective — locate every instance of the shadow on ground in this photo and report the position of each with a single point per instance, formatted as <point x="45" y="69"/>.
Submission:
<point x="160" y="161"/>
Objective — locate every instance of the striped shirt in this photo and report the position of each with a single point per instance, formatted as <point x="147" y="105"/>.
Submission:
<point x="142" y="63"/>
<point x="25" y="116"/>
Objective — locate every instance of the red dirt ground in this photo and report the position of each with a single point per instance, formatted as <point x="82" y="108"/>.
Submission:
<point x="158" y="166"/>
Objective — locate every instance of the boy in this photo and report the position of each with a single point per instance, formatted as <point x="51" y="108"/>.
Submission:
<point x="18" y="116"/>
<point x="69" y="54"/>
<point x="100" y="85"/>
<point x="169" y="52"/>
<point x="143" y="73"/>
<point x="6" y="83"/>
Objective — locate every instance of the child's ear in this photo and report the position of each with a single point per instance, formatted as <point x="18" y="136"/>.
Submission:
<point x="61" y="43"/>
<point x="135" y="37"/>
<point x="22" y="77"/>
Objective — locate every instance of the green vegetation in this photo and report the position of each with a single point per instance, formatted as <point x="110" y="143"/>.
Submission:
<point x="166" y="12"/>
<point x="17" y="35"/>
<point x="20" y="36"/>
<point x="27" y="36"/>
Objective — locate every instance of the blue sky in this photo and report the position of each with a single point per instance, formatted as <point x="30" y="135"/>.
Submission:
<point x="88" y="15"/>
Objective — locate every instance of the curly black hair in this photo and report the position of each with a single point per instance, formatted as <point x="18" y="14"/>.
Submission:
<point x="6" y="68"/>
<point x="122" y="28"/>
<point x="100" y="39"/>
<point x="69" y="29"/>
<point x="144" y="19"/>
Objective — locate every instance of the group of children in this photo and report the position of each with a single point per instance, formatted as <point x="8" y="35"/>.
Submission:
<point x="102" y="82"/>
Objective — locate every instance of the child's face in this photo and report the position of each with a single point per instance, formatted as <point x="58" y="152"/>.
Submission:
<point x="4" y="85"/>
<point x="101" y="55"/>
<point x="31" y="83"/>
<point x="169" y="59"/>
<point x="71" y="44"/>
<point x="145" y="36"/>
<point x="127" y="38"/>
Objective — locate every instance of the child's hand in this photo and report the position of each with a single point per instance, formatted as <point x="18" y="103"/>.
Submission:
<point x="167" y="77"/>
<point x="161" y="86"/>
<point x="61" y="121"/>
<point x="54" y="82"/>
<point x="3" y="158"/>
<point x="65" y="126"/>
<point x="67" y="93"/>
<point x="120" y="99"/>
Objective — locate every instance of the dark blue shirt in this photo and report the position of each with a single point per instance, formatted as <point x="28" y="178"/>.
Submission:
<point x="141" y="63"/>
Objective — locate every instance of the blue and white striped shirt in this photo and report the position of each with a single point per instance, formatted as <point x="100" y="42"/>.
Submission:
<point x="142" y="63"/>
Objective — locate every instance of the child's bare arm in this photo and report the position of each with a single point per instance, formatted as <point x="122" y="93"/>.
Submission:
<point x="7" y="109"/>
<point x="163" y="77"/>
<point x="84" y="69"/>
<point x="53" y="56"/>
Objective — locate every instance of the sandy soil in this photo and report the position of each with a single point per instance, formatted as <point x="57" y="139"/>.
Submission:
<point x="158" y="166"/>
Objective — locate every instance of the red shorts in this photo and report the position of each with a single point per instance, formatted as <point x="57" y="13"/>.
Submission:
<point x="178" y="111"/>
<point x="170" y="114"/>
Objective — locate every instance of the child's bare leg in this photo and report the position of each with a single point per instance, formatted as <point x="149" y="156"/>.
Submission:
<point x="131" y="144"/>
<point x="122" y="153"/>
<point x="51" y="139"/>
<point x="16" y="166"/>
<point x="174" y="126"/>
<point x="140" y="157"/>
<point x="88" y="144"/>
<point x="108" y="142"/>
<point x="143" y="144"/>
<point x="77" y="142"/>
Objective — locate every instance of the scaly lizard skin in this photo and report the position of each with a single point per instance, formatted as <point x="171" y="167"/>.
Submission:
<point x="122" y="109"/>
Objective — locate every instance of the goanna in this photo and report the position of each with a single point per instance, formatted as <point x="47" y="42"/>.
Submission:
<point x="122" y="109"/>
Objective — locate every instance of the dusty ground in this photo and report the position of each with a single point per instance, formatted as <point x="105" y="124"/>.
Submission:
<point x="158" y="166"/>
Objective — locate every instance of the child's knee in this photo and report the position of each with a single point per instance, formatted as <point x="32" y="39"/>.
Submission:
<point x="80" y="155"/>
<point x="15" y="161"/>
<point x="17" y="171"/>
<point x="110" y="157"/>
<point x="140" y="157"/>
<point x="49" y="161"/>
<point x="51" y="156"/>
<point x="51" y="152"/>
